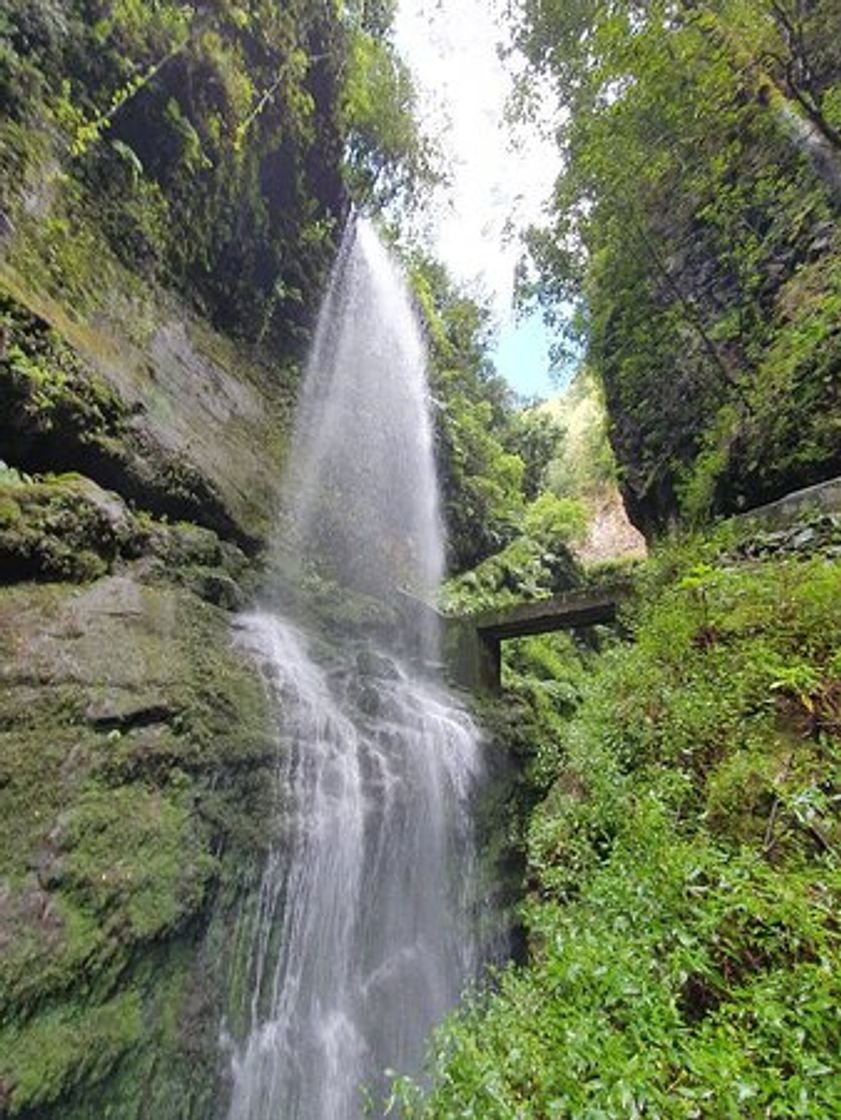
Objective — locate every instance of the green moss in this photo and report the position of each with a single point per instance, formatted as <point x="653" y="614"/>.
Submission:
<point x="24" y="156"/>
<point x="135" y="792"/>
<point x="63" y="255"/>
<point x="49" y="1058"/>
<point x="83" y="398"/>
<point x="137" y="853"/>
<point x="197" y="559"/>
<point x="46" y="381"/>
<point x="63" y="530"/>
<point x="45" y="746"/>
<point x="10" y="512"/>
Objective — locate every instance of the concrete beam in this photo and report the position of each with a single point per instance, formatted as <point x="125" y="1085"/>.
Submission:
<point x="472" y="644"/>
<point x="569" y="611"/>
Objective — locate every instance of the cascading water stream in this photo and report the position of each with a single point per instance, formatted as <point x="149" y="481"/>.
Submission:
<point x="364" y="933"/>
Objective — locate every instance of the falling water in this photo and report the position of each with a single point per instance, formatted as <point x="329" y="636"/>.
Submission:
<point x="363" y="937"/>
<point x="363" y="495"/>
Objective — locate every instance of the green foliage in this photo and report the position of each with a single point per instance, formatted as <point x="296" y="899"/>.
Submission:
<point x="684" y="867"/>
<point x="477" y="429"/>
<point x="546" y="677"/>
<point x="548" y="519"/>
<point x="583" y="465"/>
<point x="693" y="230"/>
<point x="535" y="564"/>
<point x="388" y="157"/>
<point x="208" y="146"/>
<point x="537" y="437"/>
<point x="494" y="455"/>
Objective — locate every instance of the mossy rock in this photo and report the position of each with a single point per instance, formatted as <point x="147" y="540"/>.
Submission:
<point x="137" y="760"/>
<point x="67" y="529"/>
<point x="196" y="558"/>
<point x="64" y="1049"/>
<point x="164" y="425"/>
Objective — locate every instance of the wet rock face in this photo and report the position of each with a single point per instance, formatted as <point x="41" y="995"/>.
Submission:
<point x="171" y="429"/>
<point x="135" y="759"/>
<point x="136" y="751"/>
<point x="140" y="455"/>
<point x="139" y="467"/>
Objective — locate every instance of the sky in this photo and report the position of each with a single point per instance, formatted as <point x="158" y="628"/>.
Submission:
<point x="499" y="180"/>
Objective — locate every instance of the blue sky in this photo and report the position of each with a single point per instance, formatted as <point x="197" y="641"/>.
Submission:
<point x="522" y="357"/>
<point x="500" y="176"/>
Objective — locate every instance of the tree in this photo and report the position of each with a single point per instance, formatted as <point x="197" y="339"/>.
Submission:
<point x="480" y="474"/>
<point x="536" y="437"/>
<point x="388" y="156"/>
<point x="680" y="223"/>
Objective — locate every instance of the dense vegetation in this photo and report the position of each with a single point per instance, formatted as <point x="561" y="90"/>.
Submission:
<point x="173" y="180"/>
<point x="678" y="805"/>
<point x="213" y="146"/>
<point x="493" y="453"/>
<point x="695" y="232"/>
<point x="683" y="866"/>
<point x="216" y="150"/>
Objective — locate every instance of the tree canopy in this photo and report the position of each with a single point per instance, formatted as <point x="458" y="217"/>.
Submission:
<point x="694" y="232"/>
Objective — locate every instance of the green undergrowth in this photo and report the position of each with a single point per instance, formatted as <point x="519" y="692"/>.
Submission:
<point x="684" y="864"/>
<point x="48" y="387"/>
<point x="542" y="680"/>
<point x="537" y="563"/>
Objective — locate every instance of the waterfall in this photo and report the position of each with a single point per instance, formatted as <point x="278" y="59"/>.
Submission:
<point x="362" y="495"/>
<point x="364" y="933"/>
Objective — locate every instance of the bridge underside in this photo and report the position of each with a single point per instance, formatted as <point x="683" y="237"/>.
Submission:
<point x="474" y="644"/>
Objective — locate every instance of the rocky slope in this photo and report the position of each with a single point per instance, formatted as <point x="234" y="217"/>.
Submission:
<point x="141" y="443"/>
<point x="137" y="749"/>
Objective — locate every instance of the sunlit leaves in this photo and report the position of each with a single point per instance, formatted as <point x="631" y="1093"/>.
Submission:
<point x="388" y="155"/>
<point x="699" y="163"/>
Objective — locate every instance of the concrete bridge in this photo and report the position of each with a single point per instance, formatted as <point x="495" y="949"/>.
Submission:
<point x="473" y="643"/>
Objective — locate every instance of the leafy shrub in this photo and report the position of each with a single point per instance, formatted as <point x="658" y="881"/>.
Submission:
<point x="684" y="869"/>
<point x="535" y="564"/>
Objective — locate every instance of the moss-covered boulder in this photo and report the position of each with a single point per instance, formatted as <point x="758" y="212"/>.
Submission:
<point x="136" y="763"/>
<point x="64" y="529"/>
